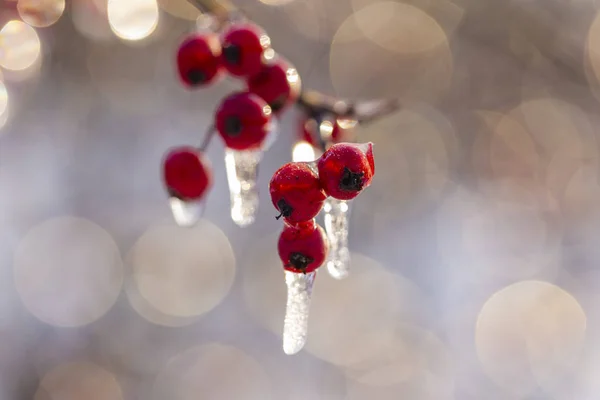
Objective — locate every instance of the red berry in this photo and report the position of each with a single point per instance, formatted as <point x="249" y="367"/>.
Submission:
<point x="296" y="192"/>
<point x="278" y="84"/>
<point x="243" y="120"/>
<point x="341" y="130"/>
<point x="187" y="173"/>
<point x="302" y="249"/>
<point x="198" y="60"/>
<point x="243" y="48"/>
<point x="346" y="169"/>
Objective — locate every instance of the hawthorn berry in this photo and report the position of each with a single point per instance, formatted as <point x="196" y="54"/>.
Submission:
<point x="187" y="173"/>
<point x="296" y="192"/>
<point x="243" y="120"/>
<point x="198" y="60"/>
<point x="302" y="248"/>
<point x="243" y="47"/>
<point x="278" y="84"/>
<point x="340" y="130"/>
<point x="345" y="169"/>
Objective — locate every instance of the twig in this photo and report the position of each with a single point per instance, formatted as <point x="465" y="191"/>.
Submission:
<point x="208" y="135"/>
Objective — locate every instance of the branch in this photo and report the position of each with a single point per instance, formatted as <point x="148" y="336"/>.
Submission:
<point x="314" y="103"/>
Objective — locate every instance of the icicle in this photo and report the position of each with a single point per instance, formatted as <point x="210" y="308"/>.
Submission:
<point x="295" y="325"/>
<point x="336" y="226"/>
<point x="186" y="213"/>
<point x="242" y="170"/>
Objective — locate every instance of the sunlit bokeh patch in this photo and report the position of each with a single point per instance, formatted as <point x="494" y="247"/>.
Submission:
<point x="3" y="100"/>
<point x="529" y="333"/>
<point x="276" y="2"/>
<point x="303" y="151"/>
<point x="388" y="50"/>
<point x="146" y="310"/>
<point x="417" y="146"/>
<point x="68" y="271"/>
<point x="19" y="46"/>
<point x="79" y="380"/>
<point x="212" y="371"/>
<point x="399" y="27"/>
<point x="40" y="13"/>
<point x="133" y="19"/>
<point x="564" y="135"/>
<point x="183" y="272"/>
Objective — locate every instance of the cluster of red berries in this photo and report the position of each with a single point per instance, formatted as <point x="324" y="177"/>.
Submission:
<point x="298" y="191"/>
<point x="243" y="119"/>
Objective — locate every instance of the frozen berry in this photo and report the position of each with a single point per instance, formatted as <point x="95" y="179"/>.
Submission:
<point x="296" y="192"/>
<point x="198" y="60"/>
<point x="243" y="120"/>
<point x="187" y="173"/>
<point x="346" y="169"/>
<point x="302" y="249"/>
<point x="243" y="48"/>
<point x="341" y="130"/>
<point x="278" y="84"/>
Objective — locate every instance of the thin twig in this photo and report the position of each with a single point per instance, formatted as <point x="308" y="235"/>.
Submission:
<point x="210" y="132"/>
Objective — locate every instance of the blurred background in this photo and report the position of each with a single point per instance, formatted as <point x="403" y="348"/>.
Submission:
<point x="475" y="257"/>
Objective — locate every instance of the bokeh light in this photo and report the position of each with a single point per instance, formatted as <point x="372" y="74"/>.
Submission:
<point x="214" y="370"/>
<point x="303" y="152"/>
<point x="528" y="334"/>
<point x="390" y="49"/>
<point x="19" y="46"/>
<point x="133" y="19"/>
<point x="40" y="13"/>
<point x="79" y="380"/>
<point x="3" y="103"/>
<point x="171" y="267"/>
<point x="68" y="271"/>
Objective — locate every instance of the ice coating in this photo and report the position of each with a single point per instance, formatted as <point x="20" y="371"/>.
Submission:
<point x="336" y="214"/>
<point x="186" y="213"/>
<point x="242" y="171"/>
<point x="295" y="325"/>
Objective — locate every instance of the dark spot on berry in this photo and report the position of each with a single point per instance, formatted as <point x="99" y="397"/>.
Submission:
<point x="233" y="126"/>
<point x="300" y="262"/>
<point x="351" y="181"/>
<point x="196" y="76"/>
<point x="284" y="208"/>
<point x="173" y="193"/>
<point x="278" y="103"/>
<point x="232" y="54"/>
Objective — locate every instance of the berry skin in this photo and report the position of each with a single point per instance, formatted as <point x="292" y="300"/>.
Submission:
<point x="243" y="120"/>
<point x="187" y="173"/>
<point x="296" y="192"/>
<point x="302" y="249"/>
<point x="346" y="169"/>
<point x="198" y="60"/>
<point x="278" y="84"/>
<point x="243" y="47"/>
<point x="342" y="130"/>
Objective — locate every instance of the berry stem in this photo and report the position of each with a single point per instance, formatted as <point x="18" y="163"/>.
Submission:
<point x="319" y="133"/>
<point x="221" y="9"/>
<point x="210" y="132"/>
